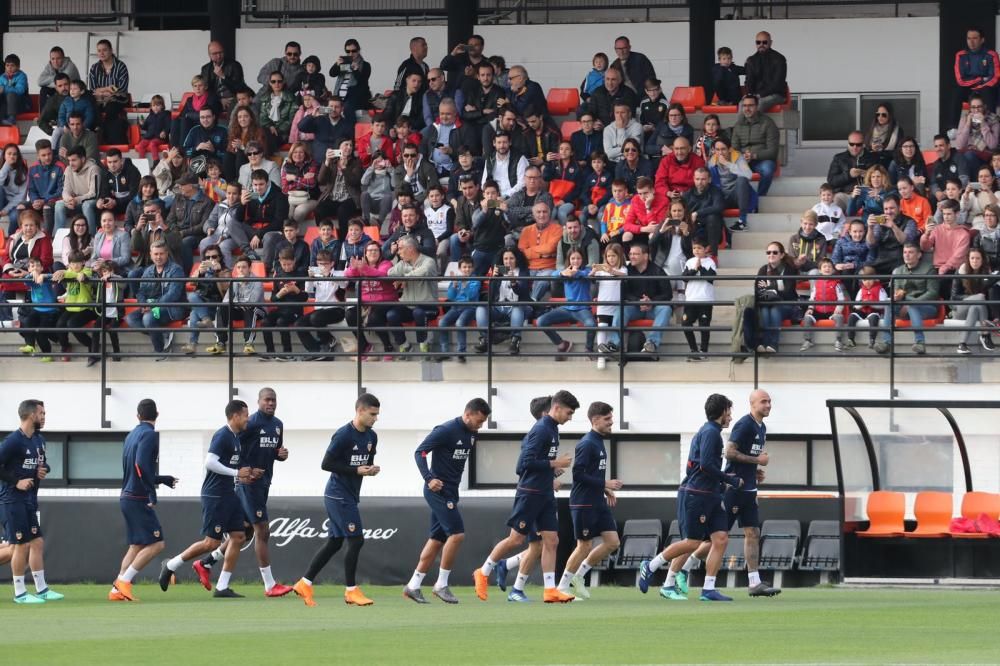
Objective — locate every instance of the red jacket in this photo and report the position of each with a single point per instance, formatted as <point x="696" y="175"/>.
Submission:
<point x="364" y="149"/>
<point x="639" y="217"/>
<point x="672" y="175"/>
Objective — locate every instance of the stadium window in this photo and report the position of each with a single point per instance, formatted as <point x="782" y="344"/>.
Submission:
<point x="825" y="119"/>
<point x="653" y="462"/>
<point x="823" y="469"/>
<point x="93" y="459"/>
<point x="493" y="460"/>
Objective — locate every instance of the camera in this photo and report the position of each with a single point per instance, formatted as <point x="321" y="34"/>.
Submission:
<point x="345" y="67"/>
<point x="337" y="153"/>
<point x="462" y="48"/>
<point x="323" y="109"/>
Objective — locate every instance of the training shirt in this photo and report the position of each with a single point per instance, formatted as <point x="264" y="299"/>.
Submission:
<point x="749" y="437"/>
<point x="226" y="445"/>
<point x="704" y="472"/>
<point x="20" y="458"/>
<point x="354" y="449"/>
<point x="259" y="444"/>
<point x="139" y="459"/>
<point x="538" y="447"/>
<point x="450" y="443"/>
<point x="590" y="466"/>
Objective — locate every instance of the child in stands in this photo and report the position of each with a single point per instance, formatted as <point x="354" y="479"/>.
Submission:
<point x="154" y="132"/>
<point x="829" y="216"/>
<point x="698" y="296"/>
<point x="609" y="291"/>
<point x="459" y="291"/>
<point x="726" y="78"/>
<point x="113" y="295"/>
<point x="577" y="289"/>
<point x="40" y="313"/>
<point x="615" y="212"/>
<point x="870" y="293"/>
<point x="594" y="78"/>
<point x="824" y="290"/>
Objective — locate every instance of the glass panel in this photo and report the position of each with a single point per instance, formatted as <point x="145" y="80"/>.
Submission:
<point x="496" y="461"/>
<point x="904" y="108"/>
<point x="649" y="463"/>
<point x="856" y="469"/>
<point x="914" y="447"/>
<point x="567" y="446"/>
<point x="787" y="464"/>
<point x="828" y="118"/>
<point x="979" y="430"/>
<point x="91" y="459"/>
<point x="824" y="469"/>
<point x="54" y="456"/>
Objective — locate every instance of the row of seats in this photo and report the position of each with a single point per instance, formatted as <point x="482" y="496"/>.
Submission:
<point x="933" y="510"/>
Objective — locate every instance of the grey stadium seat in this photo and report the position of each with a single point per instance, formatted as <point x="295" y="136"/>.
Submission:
<point x="733" y="558"/>
<point x="674" y="533"/>
<point x="606" y="562"/>
<point x="821" y="551"/>
<point x="779" y="541"/>
<point x="640" y="541"/>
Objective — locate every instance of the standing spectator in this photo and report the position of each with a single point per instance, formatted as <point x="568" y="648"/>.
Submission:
<point x="519" y="207"/>
<point x="851" y="252"/>
<point x="650" y="296"/>
<point x="414" y="64"/>
<point x="586" y="140"/>
<point x="377" y="188"/>
<point x="973" y="288"/>
<point x="886" y="239"/>
<point x="978" y="134"/>
<point x="847" y="169"/>
<point x="349" y="79"/>
<point x="608" y="292"/>
<point x="977" y="71"/>
<point x="673" y="125"/>
<point x="508" y="291"/>
<point x="947" y="166"/>
<point x="154" y="290"/>
<point x="48" y="116"/>
<point x="13" y="91"/>
<point x="482" y="99"/>
<point x="670" y="243"/>
<point x="222" y="75"/>
<point x="776" y="282"/>
<point x="328" y="295"/>
<point x="310" y="107"/>
<point x="440" y="218"/>
<point x="871" y="295"/>
<point x="435" y="93"/>
<point x="595" y="77"/>
<point x="59" y="63"/>
<point x="13" y="184"/>
<point x="915" y="297"/>
<point x="276" y="111"/>
<point x="80" y="190"/>
<point x="339" y="186"/>
<point x="634" y="65"/>
<point x="40" y="313"/>
<point x="539" y="243"/>
<point x="624" y="127"/>
<point x="256" y="162"/>
<point x="824" y="290"/>
<point x="460" y="316"/>
<point x="884" y="134"/>
<point x="375" y="297"/>
<point x="298" y="182"/>
<point x="912" y="204"/>
<point x="112" y="245"/>
<point x="705" y="203"/>
<point x="731" y="173"/>
<point x="465" y="207"/>
<point x="725" y="88"/>
<point x="119" y="183"/>
<point x="908" y="162"/>
<point x="328" y="133"/>
<point x="463" y="63"/>
<point x="489" y="227"/>
<point x="242" y="302"/>
<point x="756" y="136"/>
<point x="698" y="297"/>
<point x="950" y="243"/>
<point x="265" y="210"/>
<point x="205" y="295"/>
<point x="675" y="175"/>
<point x="154" y="132"/>
<point x="189" y="115"/>
<point x="245" y="135"/>
<point x="602" y="102"/>
<point x="577" y="288"/>
<point x="78" y="135"/>
<point x="108" y="80"/>
<point x="408" y="101"/>
<point x="45" y="184"/>
<point x="526" y="95"/>
<point x="290" y="68"/>
<point x="766" y="71"/>
<point x="287" y="296"/>
<point x="412" y="263"/>
<point x="167" y="174"/>
<point x="77" y="280"/>
<point x="506" y="167"/>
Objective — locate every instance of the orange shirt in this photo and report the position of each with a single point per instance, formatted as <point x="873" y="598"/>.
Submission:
<point x="539" y="247"/>
<point x="916" y="207"/>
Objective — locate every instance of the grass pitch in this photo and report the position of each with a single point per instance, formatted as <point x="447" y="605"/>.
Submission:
<point x="185" y="626"/>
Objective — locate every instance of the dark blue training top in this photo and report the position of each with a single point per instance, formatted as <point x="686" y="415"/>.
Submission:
<point x="226" y="445"/>
<point x="259" y="444"/>
<point x="20" y="458"/>
<point x="353" y="449"/>
<point x="704" y="467"/>
<point x="139" y="459"/>
<point x="538" y="447"/>
<point x="749" y="437"/>
<point x="590" y="466"/>
<point x="450" y="443"/>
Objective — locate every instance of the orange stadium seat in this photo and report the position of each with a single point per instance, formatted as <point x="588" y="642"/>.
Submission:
<point x="568" y="127"/>
<point x="691" y="98"/>
<point x="933" y="511"/>
<point x="885" y="514"/>
<point x="563" y="101"/>
<point x="32" y="113"/>
<point x="9" y="135"/>
<point x="975" y="504"/>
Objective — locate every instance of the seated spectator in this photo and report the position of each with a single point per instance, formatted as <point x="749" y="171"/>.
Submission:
<point x="443" y="140"/>
<point x="29" y="242"/>
<point x="310" y="107"/>
<point x="13" y="91"/>
<point x="506" y="167"/>
<point x="244" y="132"/>
<point x="41" y="313"/>
<point x="603" y="100"/>
<point x="575" y="236"/>
<point x="564" y="178"/>
<point x="467" y="166"/>
<point x="948" y="165"/>
<point x="507" y="294"/>
<point x="977" y="72"/>
<point x="871" y="295"/>
<point x="633" y="165"/>
<point x="374" y="296"/>
<point x="988" y="238"/>
<point x="45" y="185"/>
<point x="435" y="93"/>
<point x="77" y="135"/>
<point x="188" y="216"/>
<point x="950" y="243"/>
<point x="353" y="246"/>
<point x="59" y="63"/>
<point x="596" y="188"/>
<point x="915" y="297"/>
<point x="290" y="239"/>
<point x="189" y="115"/>
<point x="119" y="183"/>
<point x="725" y="79"/>
<point x="289" y="67"/>
<point x="644" y="299"/>
<point x="409" y="101"/>
<point x="404" y="197"/>
<point x="540" y="140"/>
<point x="731" y="174"/>
<point x="884" y="134"/>
<point x="168" y="174"/>
<point x="111" y="244"/>
<point x="756" y="136"/>
<point x="653" y="108"/>
<point x="324" y="240"/>
<point x="978" y="134"/>
<point x="489" y="228"/>
<point x="526" y="96"/>
<point x="276" y="110"/>
<point x="401" y="134"/>
<point x="440" y="218"/>
<point x="615" y="133"/>
<point x="577" y="288"/>
<point x="973" y="288"/>
<point x="460" y="242"/>
<point x="154" y="131"/>
<point x="257" y="162"/>
<point x="241" y="302"/>
<point x="314" y="79"/>
<point x="506" y="121"/>
<point x="586" y="140"/>
<point x="887" y="237"/>
<point x="154" y="290"/>
<point x="539" y="244"/>
<point x="298" y="182"/>
<point x="866" y="198"/>
<point x="675" y="124"/>
<point x="412" y="226"/>
<point x="411" y="262"/>
<point x="48" y="116"/>
<point x="615" y="213"/>
<point x="847" y="169"/>
<point x="912" y="204"/>
<point x="108" y="80"/>
<point x="675" y="175"/>
<point x="670" y="242"/>
<point x="80" y="190"/>
<point x="207" y="138"/>
<point x="329" y="298"/>
<point x="205" y="295"/>
<point x="223" y="76"/>
<point x="147" y="192"/>
<point x="776" y="283"/>
<point x="13" y="184"/>
<point x="483" y="99"/>
<point x="698" y="295"/>
<point x="77" y="100"/>
<point x="375" y="141"/>
<point x="766" y="71"/>
<point x="824" y="289"/>
<point x="339" y="186"/>
<point x="953" y="193"/>
<point x="459" y="291"/>
<point x="977" y="196"/>
<point x="908" y="161"/>
<point x="705" y="203"/>
<point x="77" y="240"/>
<point x="265" y="209"/>
<point x="287" y="296"/>
<point x="415" y="171"/>
<point x="151" y="227"/>
<point x="851" y="252"/>
<point x="711" y="132"/>
<point x="648" y="209"/>
<point x="595" y="77"/>
<point x="376" y="184"/>
<point x="519" y="207"/>
<point x="76" y="279"/>
<point x="211" y="180"/>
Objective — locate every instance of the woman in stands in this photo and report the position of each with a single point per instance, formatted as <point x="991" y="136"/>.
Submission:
<point x="243" y="131"/>
<point x="674" y="125"/>
<point x="564" y="178"/>
<point x="909" y="161"/>
<point x="111" y="244"/>
<point x="633" y="165"/>
<point x="776" y="282"/>
<point x="147" y="192"/>
<point x="711" y="131"/>
<point x="973" y="288"/>
<point x="988" y="240"/>
<point x="77" y="240"/>
<point x="376" y="297"/>
<point x="28" y="242"/>
<point x="867" y="200"/>
<point x="167" y="174"/>
<point x="670" y="244"/>
<point x="13" y="184"/>
<point x="576" y="285"/>
<point x="884" y="134"/>
<point x="978" y="195"/>
<point x="298" y="182"/>
<point x="507" y="294"/>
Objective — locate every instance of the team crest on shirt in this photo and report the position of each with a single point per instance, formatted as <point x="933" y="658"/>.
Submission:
<point x="701" y="518"/>
<point x="369" y="447"/>
<point x="260" y="513"/>
<point x="450" y="505"/>
<point x="586" y="532"/>
<point x="521" y="524"/>
<point x="218" y="529"/>
<point x="351" y="527"/>
<point x="156" y="533"/>
<point x="277" y="431"/>
<point x="736" y="509"/>
<point x="17" y="536"/>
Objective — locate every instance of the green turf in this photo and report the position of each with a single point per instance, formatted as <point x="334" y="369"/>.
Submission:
<point x="618" y="625"/>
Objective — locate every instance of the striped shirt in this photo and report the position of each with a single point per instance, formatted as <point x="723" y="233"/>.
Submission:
<point x="100" y="78"/>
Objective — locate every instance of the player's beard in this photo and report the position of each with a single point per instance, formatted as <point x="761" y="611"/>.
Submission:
<point x="39" y="424"/>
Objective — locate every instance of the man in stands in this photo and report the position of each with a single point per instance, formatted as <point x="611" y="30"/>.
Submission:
<point x="463" y="64"/>
<point x="188" y="216"/>
<point x="602" y="102"/>
<point x="80" y="189"/>
<point x="223" y="76"/>
<point x="149" y="228"/>
<point x="886" y="240"/>
<point x="756" y="136"/>
<point x="705" y="203"/>
<point x="540" y="140"/>
<point x="482" y="100"/>
<point x="948" y="165"/>
<point x="576" y="236"/>
<point x="506" y="121"/>
<point x="290" y="67"/>
<point x="539" y="243"/>
<point x="330" y="131"/>
<point x="586" y="140"/>
<point x="640" y="296"/>
<point x="847" y="169"/>
<point x="413" y="227"/>
<point x="407" y="101"/>
<point x="119" y="183"/>
<point x="411" y="262"/>
<point x="78" y="135"/>
<point x="207" y="138"/>
<point x="435" y="93"/>
<point x="108" y="81"/>
<point x="520" y="205"/>
<point x="59" y="63"/>
<point x="444" y="137"/>
<point x="416" y="172"/>
<point x="45" y="184"/>
<point x="265" y="211"/>
<point x="506" y="167"/>
<point x="675" y="175"/>
<point x="623" y="128"/>
<point x="915" y="296"/>
<point x="152" y="291"/>
<point x="414" y="64"/>
<point x="48" y="116"/>
<point x="636" y="67"/>
<point x="766" y="71"/>
<point x="526" y="95"/>
<point x="977" y="70"/>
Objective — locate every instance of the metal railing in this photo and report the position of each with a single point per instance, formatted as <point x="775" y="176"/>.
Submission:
<point x="494" y="331"/>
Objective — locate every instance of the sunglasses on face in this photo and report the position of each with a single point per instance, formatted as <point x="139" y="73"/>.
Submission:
<point x="880" y="114"/>
<point x="292" y="54"/>
<point x="253" y="153"/>
<point x="213" y="256"/>
<point x="276" y="81"/>
<point x="772" y="252"/>
<point x="433" y="78"/>
<point x="629" y="150"/>
<point x="762" y="41"/>
<point x="854" y="145"/>
<point x="409" y="154"/>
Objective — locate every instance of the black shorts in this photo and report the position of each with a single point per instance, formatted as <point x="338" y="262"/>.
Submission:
<point x="446" y="519"/>
<point x="700" y="514"/>
<point x="221" y="515"/>
<point x="741" y="505"/>
<point x="21" y="523"/>
<point x="345" y="518"/>
<point x="589" y="522"/>
<point x="534" y="512"/>
<point x="253" y="499"/>
<point x="142" y="527"/>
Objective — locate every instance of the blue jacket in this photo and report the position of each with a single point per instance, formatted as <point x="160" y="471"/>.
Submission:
<point x="326" y="134"/>
<point x="152" y="290"/>
<point x="577" y="289"/>
<point x="977" y="69"/>
<point x="217" y="135"/>
<point x="84" y="105"/>
<point x="18" y="84"/>
<point x="45" y="182"/>
<point x="846" y="251"/>
<point x="464" y="292"/>
<point x="41" y="293"/>
<point x="155" y="123"/>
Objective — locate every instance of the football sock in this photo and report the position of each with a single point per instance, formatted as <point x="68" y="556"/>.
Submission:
<point x="550" y="579"/>
<point x="692" y="563"/>
<point x="709" y="584"/>
<point x="442" y="580"/>
<point x="522" y="580"/>
<point x="354" y="545"/>
<point x="488" y="565"/>
<point x="566" y="578"/>
<point x="216" y="555"/>
<point x="415" y="580"/>
<point x="265" y="573"/>
<point x="223" y="583"/>
<point x="671" y="579"/>
<point x="19" y="588"/>
<point x="323" y="556"/>
<point x="754" y="578"/>
<point x="657" y="562"/>
<point x="513" y="562"/>
<point x="174" y="563"/>
<point x="351" y="588"/>
<point x="129" y="574"/>
<point x="584" y="568"/>
<point x="307" y="581"/>
<point x="39" y="577"/>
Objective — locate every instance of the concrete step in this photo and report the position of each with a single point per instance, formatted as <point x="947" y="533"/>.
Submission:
<point x="758" y="240"/>
<point x="782" y="222"/>
<point x="796" y="186"/>
<point x="788" y="204"/>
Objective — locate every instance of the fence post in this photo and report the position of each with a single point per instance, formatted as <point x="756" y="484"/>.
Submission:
<point x="360" y="336"/>
<point x="102" y="341"/>
<point x="491" y="391"/>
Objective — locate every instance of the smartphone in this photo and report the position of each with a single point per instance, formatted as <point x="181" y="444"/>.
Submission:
<point x="315" y="271"/>
<point x="337" y="153"/>
<point x="879" y="219"/>
<point x="492" y="203"/>
<point x="323" y="109"/>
